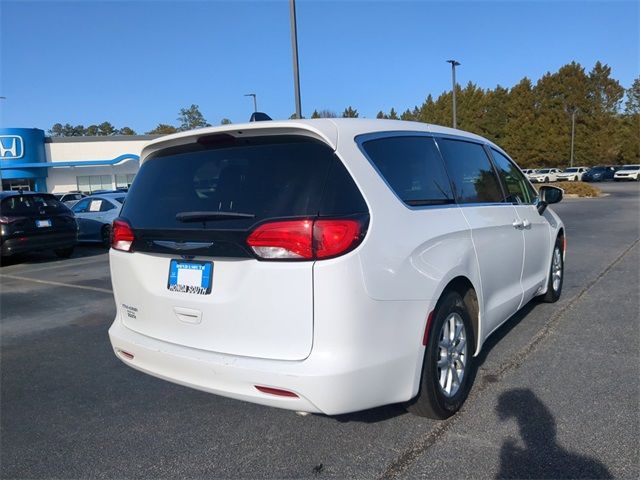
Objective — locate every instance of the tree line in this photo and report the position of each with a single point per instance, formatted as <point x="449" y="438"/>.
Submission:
<point x="532" y="122"/>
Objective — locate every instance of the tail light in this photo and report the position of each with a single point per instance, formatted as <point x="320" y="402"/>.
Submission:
<point x="7" y="220"/>
<point x="305" y="239"/>
<point x="121" y="236"/>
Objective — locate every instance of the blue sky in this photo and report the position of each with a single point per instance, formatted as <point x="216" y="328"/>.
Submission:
<point x="137" y="63"/>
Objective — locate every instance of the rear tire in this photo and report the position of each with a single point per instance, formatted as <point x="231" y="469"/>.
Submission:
<point x="556" y="275"/>
<point x="105" y="235"/>
<point x="64" y="252"/>
<point x="447" y="368"/>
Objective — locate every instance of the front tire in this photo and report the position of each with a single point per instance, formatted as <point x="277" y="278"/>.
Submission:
<point x="448" y="361"/>
<point x="556" y="275"/>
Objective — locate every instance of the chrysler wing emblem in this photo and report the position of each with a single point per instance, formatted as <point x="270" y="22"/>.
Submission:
<point x="182" y="245"/>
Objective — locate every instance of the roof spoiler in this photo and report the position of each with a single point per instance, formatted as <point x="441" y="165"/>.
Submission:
<point x="259" y="117"/>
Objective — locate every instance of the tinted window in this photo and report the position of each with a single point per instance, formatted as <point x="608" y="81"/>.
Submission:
<point x="518" y="188"/>
<point x="31" y="204"/>
<point x="106" y="206"/>
<point x="471" y="172"/>
<point x="341" y="195"/>
<point x="269" y="177"/>
<point x="412" y="167"/>
<point x="81" y="206"/>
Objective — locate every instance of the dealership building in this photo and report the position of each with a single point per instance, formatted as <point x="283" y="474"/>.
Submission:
<point x="29" y="160"/>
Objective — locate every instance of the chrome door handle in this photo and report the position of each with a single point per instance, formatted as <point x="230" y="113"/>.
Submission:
<point x="526" y="224"/>
<point x="518" y="224"/>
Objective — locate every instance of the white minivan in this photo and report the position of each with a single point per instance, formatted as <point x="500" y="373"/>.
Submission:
<point x="329" y="265"/>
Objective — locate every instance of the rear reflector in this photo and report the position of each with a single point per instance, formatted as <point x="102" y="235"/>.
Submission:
<point x="127" y="355"/>
<point x="425" y="337"/>
<point x="276" y="391"/>
<point x="121" y="236"/>
<point x="305" y="239"/>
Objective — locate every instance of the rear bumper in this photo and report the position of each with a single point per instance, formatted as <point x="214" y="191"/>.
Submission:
<point x="50" y="241"/>
<point x="322" y="384"/>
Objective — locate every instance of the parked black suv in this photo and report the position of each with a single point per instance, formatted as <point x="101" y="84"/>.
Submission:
<point x="599" y="174"/>
<point x="31" y="221"/>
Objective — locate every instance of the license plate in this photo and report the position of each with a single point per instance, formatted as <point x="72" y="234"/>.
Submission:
<point x="43" y="223"/>
<point x="188" y="276"/>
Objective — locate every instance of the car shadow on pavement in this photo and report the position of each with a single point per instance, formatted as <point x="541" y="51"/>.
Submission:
<point x="36" y="258"/>
<point x="373" y="415"/>
<point x="541" y="456"/>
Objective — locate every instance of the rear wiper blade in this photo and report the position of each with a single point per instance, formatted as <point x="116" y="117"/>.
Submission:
<point x="211" y="215"/>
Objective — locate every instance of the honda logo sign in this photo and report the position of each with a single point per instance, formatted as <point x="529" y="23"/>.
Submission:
<point x="11" y="147"/>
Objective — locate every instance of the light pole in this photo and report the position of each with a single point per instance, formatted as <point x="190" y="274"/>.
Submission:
<point x="1" y="187"/>
<point x="255" y="102"/>
<point x="454" y="64"/>
<point x="573" y="132"/>
<point x="294" y="47"/>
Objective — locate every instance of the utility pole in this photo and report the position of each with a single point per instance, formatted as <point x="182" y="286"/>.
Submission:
<point x="1" y="187"/>
<point x="255" y="102"/>
<point x="573" y="132"/>
<point x="454" y="64"/>
<point x="294" y="47"/>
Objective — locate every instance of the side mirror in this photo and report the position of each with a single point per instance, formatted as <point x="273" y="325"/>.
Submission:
<point x="548" y="195"/>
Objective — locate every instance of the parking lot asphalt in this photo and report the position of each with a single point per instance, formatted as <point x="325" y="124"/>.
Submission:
<point x="556" y="394"/>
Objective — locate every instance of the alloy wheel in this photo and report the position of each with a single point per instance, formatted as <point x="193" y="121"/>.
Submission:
<point x="556" y="269"/>
<point x="452" y="355"/>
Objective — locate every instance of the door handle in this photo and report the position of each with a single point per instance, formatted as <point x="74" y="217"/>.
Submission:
<point x="526" y="224"/>
<point x="518" y="224"/>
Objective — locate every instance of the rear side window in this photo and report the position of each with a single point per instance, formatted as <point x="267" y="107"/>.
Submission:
<point x="31" y="204"/>
<point x="519" y="190"/>
<point x="268" y="177"/>
<point x="471" y="172"/>
<point x="412" y="167"/>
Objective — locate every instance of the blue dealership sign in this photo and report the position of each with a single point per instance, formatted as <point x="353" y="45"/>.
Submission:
<point x="21" y="150"/>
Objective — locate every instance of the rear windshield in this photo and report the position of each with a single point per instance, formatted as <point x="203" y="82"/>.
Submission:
<point x="266" y="177"/>
<point x="546" y="170"/>
<point x="31" y="204"/>
<point x="571" y="170"/>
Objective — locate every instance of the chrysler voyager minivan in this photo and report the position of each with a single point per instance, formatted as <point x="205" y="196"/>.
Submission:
<point x="328" y="265"/>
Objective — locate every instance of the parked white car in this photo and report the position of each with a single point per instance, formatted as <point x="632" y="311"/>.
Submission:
<point x="329" y="265"/>
<point x="528" y="172"/>
<point x="572" y="174"/>
<point x="545" y="175"/>
<point x="628" y="172"/>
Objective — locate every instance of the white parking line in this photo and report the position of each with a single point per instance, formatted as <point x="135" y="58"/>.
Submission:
<point x="57" y="284"/>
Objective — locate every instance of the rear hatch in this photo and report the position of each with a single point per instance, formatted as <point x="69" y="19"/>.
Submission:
<point x="191" y="210"/>
<point x="35" y="217"/>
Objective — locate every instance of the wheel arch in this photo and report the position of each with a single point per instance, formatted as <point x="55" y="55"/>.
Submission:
<point x="469" y="293"/>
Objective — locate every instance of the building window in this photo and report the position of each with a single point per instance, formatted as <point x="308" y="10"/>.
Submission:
<point x="124" y="180"/>
<point x="93" y="183"/>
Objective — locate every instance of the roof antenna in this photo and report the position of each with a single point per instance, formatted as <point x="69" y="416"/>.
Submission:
<point x="259" y="117"/>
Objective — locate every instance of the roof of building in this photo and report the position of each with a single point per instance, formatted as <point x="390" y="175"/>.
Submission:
<point x="101" y="138"/>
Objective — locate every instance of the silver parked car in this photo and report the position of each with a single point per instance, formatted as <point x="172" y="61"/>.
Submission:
<point x="69" y="199"/>
<point x="95" y="214"/>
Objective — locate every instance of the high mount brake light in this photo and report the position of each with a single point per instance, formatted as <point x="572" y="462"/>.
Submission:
<point x="305" y="239"/>
<point x="121" y="236"/>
